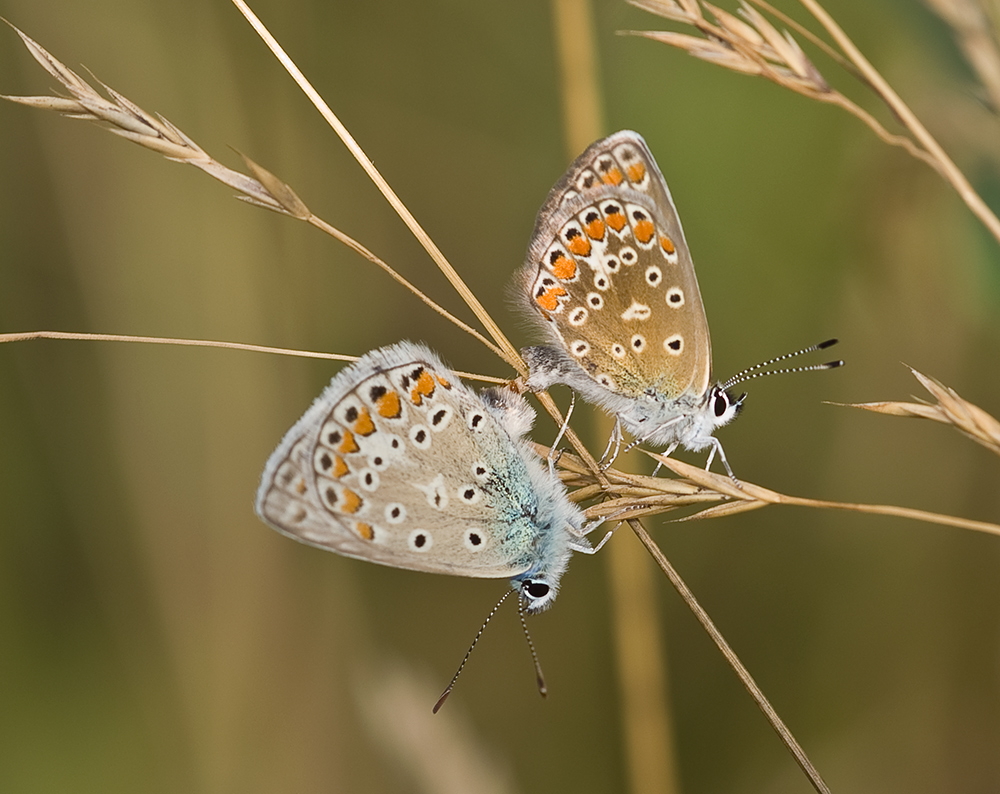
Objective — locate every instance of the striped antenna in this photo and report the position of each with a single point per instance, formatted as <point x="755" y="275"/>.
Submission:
<point x="756" y="370"/>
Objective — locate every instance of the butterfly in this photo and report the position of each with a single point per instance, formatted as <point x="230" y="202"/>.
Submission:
<point x="609" y="279"/>
<point x="400" y="463"/>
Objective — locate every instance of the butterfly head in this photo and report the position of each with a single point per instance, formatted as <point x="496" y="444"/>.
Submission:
<point x="722" y="407"/>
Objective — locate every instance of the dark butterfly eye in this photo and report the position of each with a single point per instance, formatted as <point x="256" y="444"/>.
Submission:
<point x="721" y="404"/>
<point x="537" y="589"/>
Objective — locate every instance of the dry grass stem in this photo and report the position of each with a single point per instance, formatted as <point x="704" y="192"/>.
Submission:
<point x="755" y="692"/>
<point x="976" y="34"/>
<point x="648" y="496"/>
<point x="756" y="47"/>
<point x="127" y="120"/>
<point x="26" y="336"/>
<point x="950" y="409"/>
<point x="752" y="45"/>
<point x="503" y="347"/>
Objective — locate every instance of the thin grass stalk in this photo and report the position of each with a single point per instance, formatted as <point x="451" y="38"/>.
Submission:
<point x="647" y="728"/>
<point x="909" y="119"/>
<point x="754" y="46"/>
<point x="976" y="34"/>
<point x="125" y="119"/>
<point x="734" y="661"/>
<point x="506" y="350"/>
<point x="26" y="336"/>
<point x="754" y="496"/>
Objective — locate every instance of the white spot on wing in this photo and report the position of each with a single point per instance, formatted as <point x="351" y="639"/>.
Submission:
<point x="437" y="496"/>
<point x="637" y="311"/>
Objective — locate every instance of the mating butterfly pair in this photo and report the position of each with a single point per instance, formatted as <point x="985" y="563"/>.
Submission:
<point x="397" y="462"/>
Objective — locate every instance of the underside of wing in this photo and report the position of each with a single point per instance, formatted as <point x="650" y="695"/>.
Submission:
<point x="404" y="467"/>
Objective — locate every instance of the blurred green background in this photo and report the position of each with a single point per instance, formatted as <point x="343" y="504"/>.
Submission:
<point x="155" y="636"/>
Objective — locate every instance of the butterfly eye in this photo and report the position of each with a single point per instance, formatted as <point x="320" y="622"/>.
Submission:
<point x="537" y="589"/>
<point x="721" y="403"/>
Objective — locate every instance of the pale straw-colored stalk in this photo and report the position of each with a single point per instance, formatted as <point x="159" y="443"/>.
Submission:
<point x="124" y="118"/>
<point x="975" y="28"/>
<point x="636" y="624"/>
<point x="27" y="336"/>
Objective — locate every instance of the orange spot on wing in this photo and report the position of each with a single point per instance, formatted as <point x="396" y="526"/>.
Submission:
<point x="300" y="487"/>
<point x="348" y="445"/>
<point x="423" y="388"/>
<point x="636" y="172"/>
<point x="579" y="245"/>
<point x="612" y="176"/>
<point x="365" y="531"/>
<point x="340" y="468"/>
<point x="667" y="244"/>
<point x="564" y="268"/>
<point x="443" y="382"/>
<point x="644" y="231"/>
<point x="389" y="405"/>
<point x="616" y="220"/>
<point x="595" y="229"/>
<point x="549" y="300"/>
<point x="364" y="426"/>
<point x="350" y="502"/>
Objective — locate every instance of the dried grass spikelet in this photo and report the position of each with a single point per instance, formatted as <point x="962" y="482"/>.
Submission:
<point x="127" y="120"/>
<point x="716" y="495"/>
<point x="950" y="409"/>
<point x="639" y="495"/>
<point x="124" y="118"/>
<point x="751" y="45"/>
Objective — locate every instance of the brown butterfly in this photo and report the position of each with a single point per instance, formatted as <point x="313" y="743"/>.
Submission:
<point x="610" y="279"/>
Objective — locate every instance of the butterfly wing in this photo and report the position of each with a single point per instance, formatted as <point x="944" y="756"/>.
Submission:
<point x="399" y="463"/>
<point x="610" y="275"/>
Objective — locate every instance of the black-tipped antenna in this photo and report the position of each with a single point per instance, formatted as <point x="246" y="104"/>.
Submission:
<point x="539" y="677"/>
<point x="468" y="653"/>
<point x="753" y="372"/>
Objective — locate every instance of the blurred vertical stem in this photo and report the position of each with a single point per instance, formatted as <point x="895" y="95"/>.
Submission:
<point x="647" y="730"/>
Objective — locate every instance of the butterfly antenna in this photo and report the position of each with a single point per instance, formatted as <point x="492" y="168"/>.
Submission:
<point x="468" y="653"/>
<point x="539" y="677"/>
<point x="755" y="371"/>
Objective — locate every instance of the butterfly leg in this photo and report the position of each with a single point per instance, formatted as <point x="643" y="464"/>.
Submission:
<point x="554" y="452"/>
<point x="666" y="453"/>
<point x="587" y="549"/>
<point x="592" y="525"/>
<point x="615" y="440"/>
<point x="717" y="447"/>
